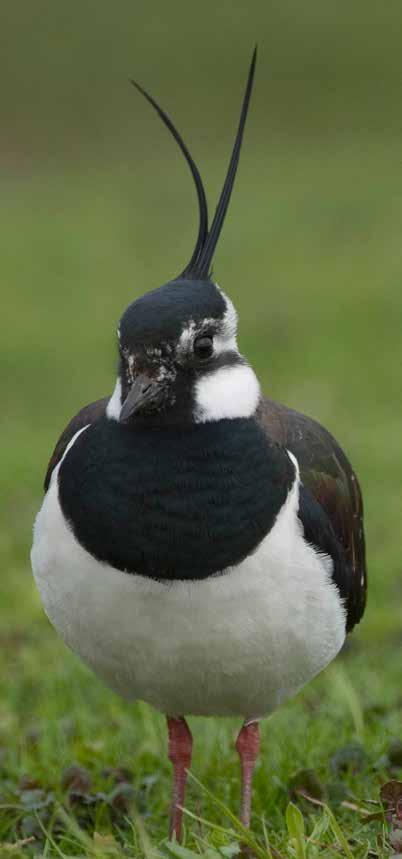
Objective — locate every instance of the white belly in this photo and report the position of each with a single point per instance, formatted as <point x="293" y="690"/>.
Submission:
<point x="235" y="644"/>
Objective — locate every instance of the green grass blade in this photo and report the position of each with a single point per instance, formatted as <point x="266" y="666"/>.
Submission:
<point x="296" y="829"/>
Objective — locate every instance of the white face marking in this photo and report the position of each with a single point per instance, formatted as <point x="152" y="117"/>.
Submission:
<point x="114" y="405"/>
<point x="166" y="374"/>
<point x="227" y="341"/>
<point x="153" y="351"/>
<point x="224" y="338"/>
<point x="230" y="392"/>
<point x="189" y="333"/>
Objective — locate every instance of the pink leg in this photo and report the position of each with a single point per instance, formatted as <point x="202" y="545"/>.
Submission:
<point x="179" y="751"/>
<point x="248" y="746"/>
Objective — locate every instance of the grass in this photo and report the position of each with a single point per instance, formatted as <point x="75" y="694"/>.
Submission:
<point x="311" y="255"/>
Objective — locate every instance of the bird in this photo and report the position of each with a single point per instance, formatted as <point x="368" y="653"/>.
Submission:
<point x="200" y="546"/>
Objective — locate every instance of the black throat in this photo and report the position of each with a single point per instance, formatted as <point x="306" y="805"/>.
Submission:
<point x="173" y="503"/>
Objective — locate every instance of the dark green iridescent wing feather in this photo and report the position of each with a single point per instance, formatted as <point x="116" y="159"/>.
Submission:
<point x="327" y="473"/>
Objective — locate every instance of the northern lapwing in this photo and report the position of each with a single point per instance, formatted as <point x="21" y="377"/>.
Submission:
<point x="199" y="546"/>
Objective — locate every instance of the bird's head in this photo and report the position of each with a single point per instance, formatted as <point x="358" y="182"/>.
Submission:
<point x="179" y="360"/>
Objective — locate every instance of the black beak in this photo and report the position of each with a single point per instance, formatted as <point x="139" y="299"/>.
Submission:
<point x="145" y="395"/>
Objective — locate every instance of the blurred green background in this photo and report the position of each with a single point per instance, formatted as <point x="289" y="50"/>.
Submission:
<point x="97" y="207"/>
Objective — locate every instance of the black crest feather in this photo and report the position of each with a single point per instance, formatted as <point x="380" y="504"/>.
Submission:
<point x="204" y="261"/>
<point x="198" y="268"/>
<point x="202" y="201"/>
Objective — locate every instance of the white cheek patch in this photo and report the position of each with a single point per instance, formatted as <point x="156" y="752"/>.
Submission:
<point x="113" y="407"/>
<point x="230" y="392"/>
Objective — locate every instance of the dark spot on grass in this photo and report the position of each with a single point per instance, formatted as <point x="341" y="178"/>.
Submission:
<point x="76" y="779"/>
<point x="116" y="775"/>
<point x="394" y="753"/>
<point x="352" y="758"/>
<point x="28" y="782"/>
<point x="306" y="784"/>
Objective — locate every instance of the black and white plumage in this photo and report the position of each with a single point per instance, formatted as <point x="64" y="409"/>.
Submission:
<point x="200" y="546"/>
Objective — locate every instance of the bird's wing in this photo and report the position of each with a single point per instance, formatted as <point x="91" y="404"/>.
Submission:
<point x="86" y="416"/>
<point x="330" y="492"/>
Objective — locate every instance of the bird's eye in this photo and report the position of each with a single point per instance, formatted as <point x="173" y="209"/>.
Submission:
<point x="203" y="347"/>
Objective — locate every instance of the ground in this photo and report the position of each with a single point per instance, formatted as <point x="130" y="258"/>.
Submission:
<point x="316" y="279"/>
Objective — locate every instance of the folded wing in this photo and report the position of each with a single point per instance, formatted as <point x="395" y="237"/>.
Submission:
<point x="86" y="416"/>
<point x="331" y="498"/>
